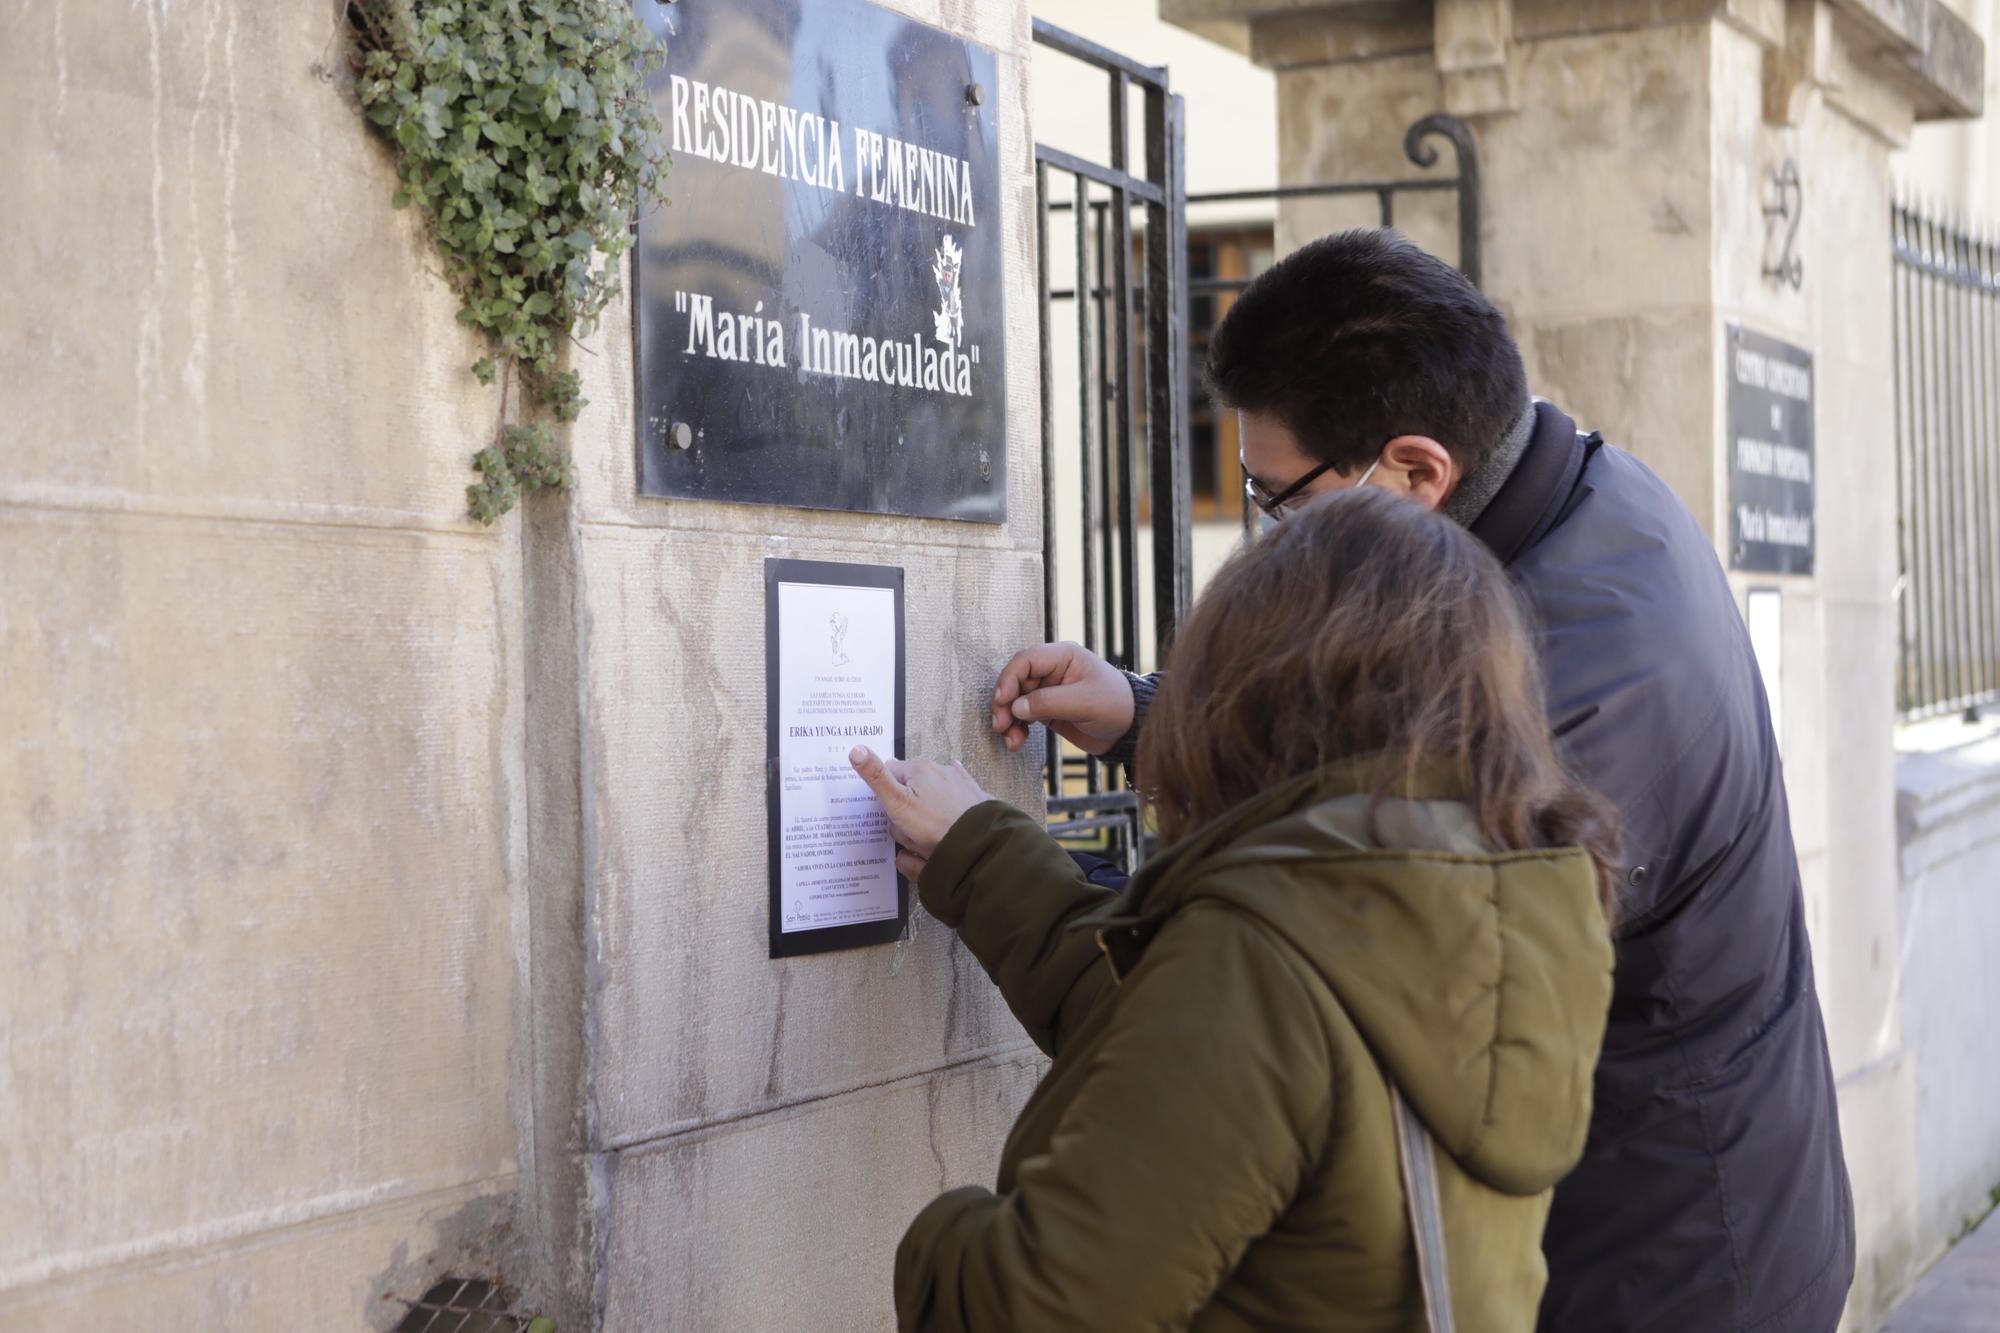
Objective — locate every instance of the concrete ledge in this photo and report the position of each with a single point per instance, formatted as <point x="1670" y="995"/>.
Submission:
<point x="1951" y="67"/>
<point x="1899" y="22"/>
<point x="1187" y="13"/>
<point x="1947" y="782"/>
<point x="1372" y="33"/>
<point x="1928" y="53"/>
<point x="1938" y="57"/>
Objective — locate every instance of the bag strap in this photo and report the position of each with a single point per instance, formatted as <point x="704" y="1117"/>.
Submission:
<point x="1420" y="1187"/>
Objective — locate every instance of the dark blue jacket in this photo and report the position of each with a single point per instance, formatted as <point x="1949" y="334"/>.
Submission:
<point x="1712" y="1196"/>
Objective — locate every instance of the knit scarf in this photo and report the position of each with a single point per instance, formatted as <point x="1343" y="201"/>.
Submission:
<point x="1477" y="488"/>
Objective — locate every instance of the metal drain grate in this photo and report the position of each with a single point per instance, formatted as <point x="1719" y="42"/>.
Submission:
<point x="468" y="1305"/>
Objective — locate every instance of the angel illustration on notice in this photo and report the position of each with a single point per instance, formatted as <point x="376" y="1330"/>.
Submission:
<point x="839" y="626"/>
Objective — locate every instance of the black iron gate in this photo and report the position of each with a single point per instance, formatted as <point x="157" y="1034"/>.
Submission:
<point x="1131" y="377"/>
<point x="1947" y="311"/>
<point x="1129" y="521"/>
<point x="1418" y="148"/>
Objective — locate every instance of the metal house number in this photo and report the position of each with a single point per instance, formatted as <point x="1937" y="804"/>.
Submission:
<point x="1785" y="212"/>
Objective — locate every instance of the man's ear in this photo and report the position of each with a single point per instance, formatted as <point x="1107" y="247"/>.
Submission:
<point x="1420" y="468"/>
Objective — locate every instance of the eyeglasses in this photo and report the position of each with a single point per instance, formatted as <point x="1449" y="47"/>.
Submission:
<point x="1274" y="505"/>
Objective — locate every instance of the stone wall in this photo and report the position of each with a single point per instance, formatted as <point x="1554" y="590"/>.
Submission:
<point x="391" y="890"/>
<point x="261" y="829"/>
<point x="729" y="1142"/>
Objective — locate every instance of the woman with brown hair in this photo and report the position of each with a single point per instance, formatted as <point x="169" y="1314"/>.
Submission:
<point x="1320" y="1067"/>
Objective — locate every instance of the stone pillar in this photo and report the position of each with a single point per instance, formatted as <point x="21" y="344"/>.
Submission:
<point x="725" y="1141"/>
<point x="1627" y="153"/>
<point x="261" y="716"/>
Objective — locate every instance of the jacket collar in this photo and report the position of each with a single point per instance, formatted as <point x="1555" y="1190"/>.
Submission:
<point x="1125" y="926"/>
<point x="1541" y="484"/>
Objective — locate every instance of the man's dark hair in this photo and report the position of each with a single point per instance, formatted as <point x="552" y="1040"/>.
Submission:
<point x="1360" y="337"/>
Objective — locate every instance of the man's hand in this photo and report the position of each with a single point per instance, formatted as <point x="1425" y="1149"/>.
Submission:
<point x="1080" y="696"/>
<point x="923" y="799"/>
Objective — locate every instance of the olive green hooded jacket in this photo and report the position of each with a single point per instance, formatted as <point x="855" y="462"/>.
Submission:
<point x="1213" y="1147"/>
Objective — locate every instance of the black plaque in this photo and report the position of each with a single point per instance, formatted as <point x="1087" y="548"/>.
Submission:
<point x="792" y="763"/>
<point x="1770" y="454"/>
<point x="819" y="308"/>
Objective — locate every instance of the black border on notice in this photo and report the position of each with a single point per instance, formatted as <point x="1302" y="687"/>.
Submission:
<point x="826" y="939"/>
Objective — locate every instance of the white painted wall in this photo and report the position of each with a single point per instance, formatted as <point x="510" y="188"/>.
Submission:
<point x="1948" y="818"/>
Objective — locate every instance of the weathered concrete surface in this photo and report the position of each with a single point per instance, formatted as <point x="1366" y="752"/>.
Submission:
<point x="260" y="812"/>
<point x="257" y="887"/>
<point x="839" y="1179"/>
<point x="391" y="890"/>
<point x="678" y="790"/>
<point x="729" y="1142"/>
<point x="339" y="1275"/>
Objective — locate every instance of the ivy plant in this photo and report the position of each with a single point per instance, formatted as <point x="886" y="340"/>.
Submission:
<point x="524" y="133"/>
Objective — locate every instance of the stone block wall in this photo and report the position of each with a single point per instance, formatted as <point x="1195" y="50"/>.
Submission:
<point x="746" y="1139"/>
<point x="260" y="696"/>
<point x="390" y="890"/>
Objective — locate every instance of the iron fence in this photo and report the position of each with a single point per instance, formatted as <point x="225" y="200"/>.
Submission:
<point x="1463" y="185"/>
<point x="467" y="1305"/>
<point x="1114" y="290"/>
<point x="1129" y="373"/>
<point x="1947" y="336"/>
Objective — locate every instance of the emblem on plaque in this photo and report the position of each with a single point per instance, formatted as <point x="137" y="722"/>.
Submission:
<point x="949" y="317"/>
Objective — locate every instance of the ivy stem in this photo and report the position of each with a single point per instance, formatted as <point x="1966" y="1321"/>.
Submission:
<point x="506" y="383"/>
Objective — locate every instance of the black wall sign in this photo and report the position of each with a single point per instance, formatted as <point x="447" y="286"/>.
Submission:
<point x="819" y="309"/>
<point x="834" y="679"/>
<point x="1770" y="454"/>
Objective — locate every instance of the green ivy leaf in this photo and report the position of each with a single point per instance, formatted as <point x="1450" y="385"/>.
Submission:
<point x="527" y="138"/>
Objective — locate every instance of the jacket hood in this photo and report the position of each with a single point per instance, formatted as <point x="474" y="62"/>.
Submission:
<point x="1480" y="980"/>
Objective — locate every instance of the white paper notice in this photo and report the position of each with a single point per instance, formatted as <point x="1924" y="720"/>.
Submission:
<point x="836" y="690"/>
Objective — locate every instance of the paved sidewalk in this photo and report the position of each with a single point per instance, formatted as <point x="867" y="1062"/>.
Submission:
<point x="1962" y="1293"/>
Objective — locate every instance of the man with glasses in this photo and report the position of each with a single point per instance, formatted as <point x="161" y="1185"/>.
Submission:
<point x="1276" y="506"/>
<point x="1713" y="1193"/>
